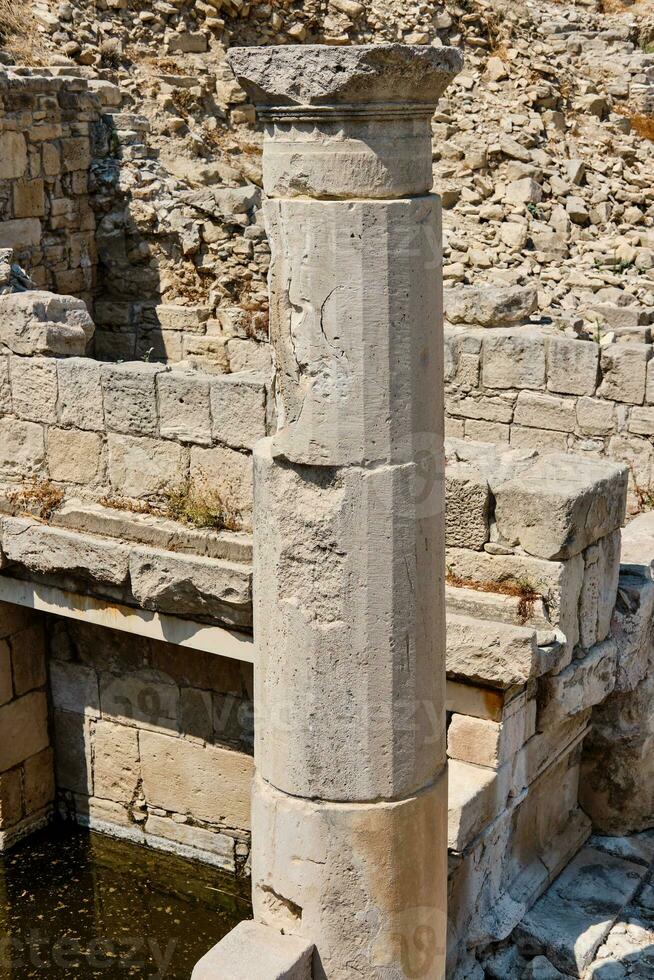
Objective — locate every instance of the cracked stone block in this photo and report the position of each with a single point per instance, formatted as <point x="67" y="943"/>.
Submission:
<point x="44" y="549"/>
<point x="581" y="685"/>
<point x="35" y="322"/>
<point x="467" y="507"/>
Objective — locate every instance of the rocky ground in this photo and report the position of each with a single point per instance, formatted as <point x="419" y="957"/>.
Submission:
<point x="597" y="920"/>
<point x="542" y="150"/>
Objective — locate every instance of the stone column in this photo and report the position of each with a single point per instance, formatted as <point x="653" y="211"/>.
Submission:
<point x="350" y="796"/>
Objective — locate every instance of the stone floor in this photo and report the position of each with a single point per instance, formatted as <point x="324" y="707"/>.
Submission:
<point x="596" y="921"/>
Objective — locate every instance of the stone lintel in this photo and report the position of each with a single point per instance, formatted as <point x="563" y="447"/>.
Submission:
<point x="320" y="74"/>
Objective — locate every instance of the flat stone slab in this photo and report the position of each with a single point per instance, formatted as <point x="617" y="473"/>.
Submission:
<point x="252" y="950"/>
<point x="317" y="74"/>
<point x="570" y="922"/>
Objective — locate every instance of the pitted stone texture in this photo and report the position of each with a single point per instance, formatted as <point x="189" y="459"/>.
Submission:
<point x="581" y="685"/>
<point x="42" y="323"/>
<point x="336" y="864"/>
<point x="316" y="74"/>
<point x="351" y="578"/>
<point x="44" y="549"/>
<point x="487" y="306"/>
<point x="354" y="291"/>
<point x="467" y="507"/>
<point x="252" y="950"/>
<point x="560" y="504"/>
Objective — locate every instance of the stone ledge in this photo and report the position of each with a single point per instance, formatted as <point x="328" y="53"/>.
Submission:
<point x="253" y="950"/>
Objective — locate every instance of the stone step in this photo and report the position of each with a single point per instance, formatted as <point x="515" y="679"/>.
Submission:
<point x="574" y="917"/>
<point x="515" y="610"/>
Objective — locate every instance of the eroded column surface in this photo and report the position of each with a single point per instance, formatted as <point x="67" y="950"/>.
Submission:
<point x="350" y="799"/>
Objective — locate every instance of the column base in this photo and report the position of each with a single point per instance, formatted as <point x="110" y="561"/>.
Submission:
<point x="252" y="950"/>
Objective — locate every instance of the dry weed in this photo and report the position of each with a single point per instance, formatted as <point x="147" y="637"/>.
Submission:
<point x="522" y="591"/>
<point x="19" y="34"/>
<point x="40" y="498"/>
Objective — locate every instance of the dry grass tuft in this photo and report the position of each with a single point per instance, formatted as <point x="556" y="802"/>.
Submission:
<point x="522" y="591"/>
<point x="40" y="498"/>
<point x="19" y="34"/>
<point x="202" y="509"/>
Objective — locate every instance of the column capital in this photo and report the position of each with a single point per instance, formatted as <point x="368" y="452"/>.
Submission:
<point x="346" y="122"/>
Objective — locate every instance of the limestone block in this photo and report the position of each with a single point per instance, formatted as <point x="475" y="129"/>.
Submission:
<point x="130" y="398"/>
<point x="11" y="798"/>
<point x="224" y="475"/>
<point x="22" y="449"/>
<point x="596" y="417"/>
<point x="205" y="782"/>
<point x="484" y="742"/>
<point x="238" y="409"/>
<point x="73" y="752"/>
<point x="544" y="748"/>
<point x="631" y="627"/>
<point x="143" y="467"/>
<point x="524" y="191"/>
<point x="188" y="586"/>
<point x="34" y="388"/>
<point x="20" y="233"/>
<point x="74" y="456"/>
<point x="28" y="659"/>
<point x="75" y="153"/>
<point x="23" y="729"/>
<point x="74" y="688"/>
<point x="480" y="431"/>
<point x="649" y="387"/>
<point x="44" y="549"/>
<point x="340" y="313"/>
<point x="638" y="542"/>
<point x="542" y="440"/>
<point x="215" y="848"/>
<point x="467" y="506"/>
<point x="29" y="198"/>
<point x="13" y="155"/>
<point x="545" y="412"/>
<point x="598" y="594"/>
<point x="38" y="781"/>
<point x="488" y="409"/>
<point x="558" y="582"/>
<point x="489" y="306"/>
<point x="315" y="857"/>
<point x="143" y="698"/>
<point x="184" y="412"/>
<point x="496" y="654"/>
<point x="624" y="370"/>
<point x="323" y="539"/>
<point x="42" y="323"/>
<point x="190" y="319"/>
<point x="560" y="504"/>
<point x="476" y="795"/>
<point x="641" y="421"/>
<point x="513" y="359"/>
<point x="581" y="685"/>
<point x="571" y="921"/>
<point x="252" y="950"/>
<point x="5" y="386"/>
<point x="116" y="764"/>
<point x="572" y="366"/>
<point x="474" y="700"/>
<point x="80" y="393"/>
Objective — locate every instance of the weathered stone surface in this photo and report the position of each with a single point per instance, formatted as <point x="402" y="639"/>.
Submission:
<point x="631" y="628"/>
<point x="624" y="368"/>
<point x="42" y="323"/>
<point x="336" y="851"/>
<point x="210" y="783"/>
<point x="116" y="767"/>
<point x="46" y="549"/>
<point x="324" y="537"/>
<point x="145" y="699"/>
<point x="184" y="411"/>
<point x="23" y="729"/>
<point x="492" y="653"/>
<point x="560" y="504"/>
<point x="572" y="920"/>
<point x="476" y="795"/>
<point x="488" y="306"/>
<point x="22" y="449"/>
<point x="145" y="467"/>
<point x="545" y="412"/>
<point x="467" y="507"/>
<point x="238" y="409"/>
<point x="80" y="393"/>
<point x="331" y="329"/>
<point x="73" y="456"/>
<point x="513" y="359"/>
<point x="130" y="398"/>
<point x="186" y="585"/>
<point x="34" y="388"/>
<point x="252" y="949"/>
<point x="316" y="75"/>
<point x="581" y="685"/>
<point x="598" y="594"/>
<point x="74" y="688"/>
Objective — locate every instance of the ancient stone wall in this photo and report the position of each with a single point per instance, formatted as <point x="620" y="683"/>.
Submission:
<point x="152" y="742"/>
<point x="47" y="138"/>
<point x="531" y="388"/>
<point x="26" y="774"/>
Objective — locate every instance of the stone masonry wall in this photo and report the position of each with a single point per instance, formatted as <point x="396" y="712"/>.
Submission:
<point x="26" y="780"/>
<point x="152" y="742"/>
<point x="530" y="388"/>
<point x="47" y="127"/>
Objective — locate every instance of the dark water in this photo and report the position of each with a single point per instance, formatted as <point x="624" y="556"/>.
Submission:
<point x="75" y="904"/>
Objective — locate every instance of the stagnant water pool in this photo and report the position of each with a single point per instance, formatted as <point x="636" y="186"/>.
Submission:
<point x="76" y="904"/>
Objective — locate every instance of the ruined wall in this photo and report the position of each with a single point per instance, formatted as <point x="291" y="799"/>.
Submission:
<point x="152" y="742"/>
<point x="47" y="129"/>
<point x="530" y="388"/>
<point x="26" y="775"/>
